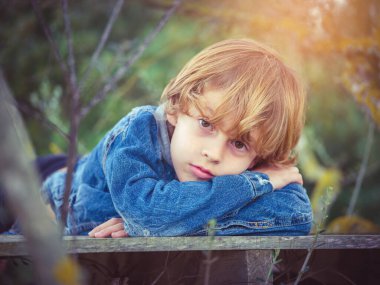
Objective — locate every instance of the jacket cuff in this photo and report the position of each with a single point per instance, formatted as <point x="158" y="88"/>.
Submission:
<point x="259" y="181"/>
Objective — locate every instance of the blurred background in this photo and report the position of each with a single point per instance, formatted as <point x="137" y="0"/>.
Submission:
<point x="333" y="44"/>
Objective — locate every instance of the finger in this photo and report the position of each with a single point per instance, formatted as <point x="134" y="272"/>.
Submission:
<point x="109" y="230"/>
<point x="103" y="226"/>
<point x="107" y="224"/>
<point x="298" y="178"/>
<point x="119" y="234"/>
<point x="301" y="180"/>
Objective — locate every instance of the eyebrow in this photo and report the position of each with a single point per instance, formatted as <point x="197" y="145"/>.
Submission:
<point x="208" y="112"/>
<point x="203" y="110"/>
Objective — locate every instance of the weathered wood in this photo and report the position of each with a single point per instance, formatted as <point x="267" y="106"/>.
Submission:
<point x="237" y="260"/>
<point x="258" y="264"/>
<point x="15" y="245"/>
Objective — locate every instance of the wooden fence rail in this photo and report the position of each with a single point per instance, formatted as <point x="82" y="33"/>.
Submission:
<point x="14" y="245"/>
<point x="246" y="259"/>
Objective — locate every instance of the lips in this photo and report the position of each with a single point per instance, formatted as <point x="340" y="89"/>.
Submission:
<point x="200" y="172"/>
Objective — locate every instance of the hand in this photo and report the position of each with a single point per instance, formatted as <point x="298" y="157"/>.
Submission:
<point x="113" y="227"/>
<point x="280" y="176"/>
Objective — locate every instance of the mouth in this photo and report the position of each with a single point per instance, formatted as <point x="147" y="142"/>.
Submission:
<point x="200" y="172"/>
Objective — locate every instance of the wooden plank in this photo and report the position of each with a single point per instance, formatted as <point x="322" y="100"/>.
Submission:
<point x="15" y="245"/>
<point x="186" y="267"/>
<point x="258" y="264"/>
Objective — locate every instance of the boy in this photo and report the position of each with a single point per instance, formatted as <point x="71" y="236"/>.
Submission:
<point x="217" y="148"/>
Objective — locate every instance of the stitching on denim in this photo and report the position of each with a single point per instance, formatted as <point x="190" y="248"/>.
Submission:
<point x="245" y="224"/>
<point x="265" y="226"/>
<point x="299" y="220"/>
<point x="251" y="183"/>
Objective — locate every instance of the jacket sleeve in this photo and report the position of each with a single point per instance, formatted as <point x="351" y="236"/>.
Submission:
<point x="151" y="206"/>
<point x="283" y="212"/>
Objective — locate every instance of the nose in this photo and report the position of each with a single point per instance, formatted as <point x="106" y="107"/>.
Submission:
<point x="214" y="149"/>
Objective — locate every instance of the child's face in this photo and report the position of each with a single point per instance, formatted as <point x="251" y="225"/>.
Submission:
<point x="200" y="150"/>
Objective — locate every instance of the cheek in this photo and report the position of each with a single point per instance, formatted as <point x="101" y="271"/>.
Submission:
<point x="182" y="143"/>
<point x="237" y="165"/>
<point x="179" y="139"/>
<point x="185" y="136"/>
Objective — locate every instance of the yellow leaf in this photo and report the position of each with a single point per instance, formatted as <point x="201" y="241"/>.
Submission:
<point x="67" y="272"/>
<point x="55" y="149"/>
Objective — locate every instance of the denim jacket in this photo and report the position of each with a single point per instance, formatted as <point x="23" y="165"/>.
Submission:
<point x="129" y="174"/>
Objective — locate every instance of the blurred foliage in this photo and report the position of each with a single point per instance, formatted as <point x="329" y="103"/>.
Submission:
<point x="361" y="77"/>
<point x="324" y="178"/>
<point x="333" y="44"/>
<point x="352" y="225"/>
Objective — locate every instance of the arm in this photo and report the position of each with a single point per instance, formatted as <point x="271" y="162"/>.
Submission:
<point x="151" y="206"/>
<point x="294" y="195"/>
<point x="285" y="212"/>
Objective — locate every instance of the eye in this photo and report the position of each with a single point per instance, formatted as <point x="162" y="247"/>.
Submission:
<point x="239" y="145"/>
<point x="205" y="125"/>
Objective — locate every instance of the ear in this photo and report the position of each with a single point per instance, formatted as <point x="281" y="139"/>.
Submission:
<point x="172" y="119"/>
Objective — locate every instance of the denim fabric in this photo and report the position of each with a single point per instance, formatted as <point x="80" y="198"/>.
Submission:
<point x="129" y="174"/>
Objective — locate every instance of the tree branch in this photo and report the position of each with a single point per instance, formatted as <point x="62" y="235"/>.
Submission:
<point x="363" y="168"/>
<point x="38" y="115"/>
<point x="113" y="17"/>
<point x="74" y="116"/>
<point x="112" y="82"/>
<point x="49" y="36"/>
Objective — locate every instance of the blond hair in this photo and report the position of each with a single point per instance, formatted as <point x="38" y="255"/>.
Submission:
<point x="262" y="95"/>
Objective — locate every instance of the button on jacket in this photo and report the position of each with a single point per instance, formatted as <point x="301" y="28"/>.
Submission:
<point x="129" y="174"/>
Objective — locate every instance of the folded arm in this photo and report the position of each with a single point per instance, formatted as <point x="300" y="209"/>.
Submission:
<point x="152" y="202"/>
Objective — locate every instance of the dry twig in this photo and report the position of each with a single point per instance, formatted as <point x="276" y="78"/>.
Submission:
<point x="114" y="15"/>
<point x="74" y="107"/>
<point x="363" y="168"/>
<point x="50" y="38"/>
<point x="120" y="73"/>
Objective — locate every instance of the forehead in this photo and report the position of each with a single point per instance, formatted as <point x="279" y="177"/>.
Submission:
<point x="210" y="100"/>
<point x="209" y="105"/>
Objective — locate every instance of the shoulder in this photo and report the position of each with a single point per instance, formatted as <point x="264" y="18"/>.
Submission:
<point x="143" y="113"/>
<point x="140" y="116"/>
<point x="137" y="114"/>
<point x="147" y="110"/>
<point x="139" y="122"/>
